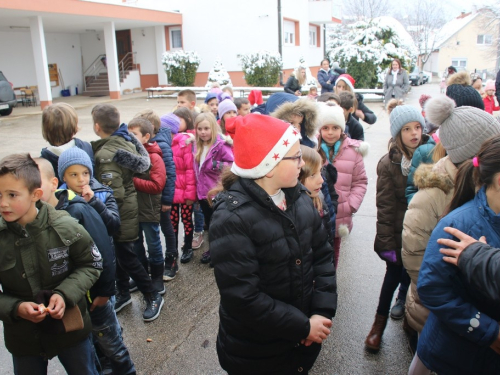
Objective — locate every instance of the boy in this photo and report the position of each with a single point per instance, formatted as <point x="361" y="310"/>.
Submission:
<point x="187" y="98"/>
<point x="329" y="97"/>
<point x="212" y="101"/>
<point x="277" y="295"/>
<point x="117" y="159"/>
<point x="243" y="106"/>
<point x="163" y="138"/>
<point x="149" y="186"/>
<point x="47" y="263"/>
<point x="353" y="128"/>
<point x="105" y="327"/>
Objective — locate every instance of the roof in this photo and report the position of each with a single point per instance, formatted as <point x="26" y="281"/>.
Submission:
<point x="453" y="27"/>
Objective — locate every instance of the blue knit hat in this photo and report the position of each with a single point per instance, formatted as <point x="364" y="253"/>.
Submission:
<point x="226" y="106"/>
<point x="73" y="156"/>
<point x="402" y="115"/>
<point x="210" y="96"/>
<point x="170" y="121"/>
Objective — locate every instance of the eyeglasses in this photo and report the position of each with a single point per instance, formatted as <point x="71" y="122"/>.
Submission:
<point x="298" y="158"/>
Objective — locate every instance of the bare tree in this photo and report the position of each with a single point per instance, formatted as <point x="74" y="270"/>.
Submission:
<point x="366" y="9"/>
<point x="492" y="27"/>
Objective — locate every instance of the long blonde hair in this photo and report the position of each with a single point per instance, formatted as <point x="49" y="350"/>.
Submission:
<point x="312" y="163"/>
<point x="205" y="116"/>
<point x="302" y="80"/>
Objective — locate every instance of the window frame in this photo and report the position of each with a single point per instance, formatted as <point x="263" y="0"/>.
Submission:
<point x="171" y="31"/>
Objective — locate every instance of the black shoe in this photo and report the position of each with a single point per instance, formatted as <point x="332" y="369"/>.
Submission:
<point x="132" y="286"/>
<point x="205" y="257"/>
<point x="157" y="277"/>
<point x="122" y="299"/>
<point x="187" y="255"/>
<point x="171" y="268"/>
<point x="398" y="310"/>
<point x="154" y="303"/>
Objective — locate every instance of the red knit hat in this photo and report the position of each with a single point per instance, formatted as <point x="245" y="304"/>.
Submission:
<point x="259" y="143"/>
<point x="255" y="97"/>
<point x="347" y="79"/>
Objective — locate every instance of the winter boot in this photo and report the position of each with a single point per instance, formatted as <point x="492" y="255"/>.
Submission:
<point x="398" y="310"/>
<point x="154" y="303"/>
<point x="171" y="267"/>
<point x="187" y="254"/>
<point x="122" y="299"/>
<point x="373" y="339"/>
<point x="157" y="277"/>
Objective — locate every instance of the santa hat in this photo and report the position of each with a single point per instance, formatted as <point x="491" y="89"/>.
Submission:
<point x="349" y="81"/>
<point x="255" y="97"/>
<point x="259" y="143"/>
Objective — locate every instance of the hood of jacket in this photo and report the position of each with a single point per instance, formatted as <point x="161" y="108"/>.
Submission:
<point x="66" y="198"/>
<point x="163" y="135"/>
<point x="440" y="175"/>
<point x="361" y="147"/>
<point x="153" y="148"/>
<point x="277" y="99"/>
<point x="136" y="163"/>
<point x="183" y="140"/>
<point x="305" y="107"/>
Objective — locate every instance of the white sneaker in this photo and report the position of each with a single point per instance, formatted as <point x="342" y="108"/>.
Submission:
<point x="197" y="240"/>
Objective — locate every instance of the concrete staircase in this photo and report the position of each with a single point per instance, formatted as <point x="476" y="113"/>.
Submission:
<point x="99" y="86"/>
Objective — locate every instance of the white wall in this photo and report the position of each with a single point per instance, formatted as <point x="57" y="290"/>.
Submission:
<point x="18" y="64"/>
<point x="92" y="46"/>
<point x="146" y="49"/>
<point x="132" y="81"/>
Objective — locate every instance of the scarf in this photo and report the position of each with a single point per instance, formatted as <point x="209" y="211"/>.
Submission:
<point x="326" y="149"/>
<point x="405" y="165"/>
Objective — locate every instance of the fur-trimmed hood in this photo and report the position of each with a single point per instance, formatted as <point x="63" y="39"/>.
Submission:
<point x="440" y="175"/>
<point x="305" y="107"/>
<point x="136" y="163"/>
<point x="461" y="78"/>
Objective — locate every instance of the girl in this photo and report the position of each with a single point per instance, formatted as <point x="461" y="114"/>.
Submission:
<point x="490" y="102"/>
<point x="396" y="83"/>
<point x="310" y="176"/>
<point x="406" y="129"/>
<point x="295" y="82"/>
<point x="227" y="109"/>
<point x="313" y="93"/>
<point x="213" y="153"/>
<point x="346" y="83"/>
<point x="272" y="262"/>
<point x="461" y="332"/>
<point x="346" y="155"/>
<point x="477" y="83"/>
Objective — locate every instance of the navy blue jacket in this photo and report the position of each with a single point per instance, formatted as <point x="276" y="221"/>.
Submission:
<point x="370" y="117"/>
<point x="164" y="140"/>
<point x="462" y="324"/>
<point x="323" y="77"/>
<point x="92" y="222"/>
<point x="354" y="129"/>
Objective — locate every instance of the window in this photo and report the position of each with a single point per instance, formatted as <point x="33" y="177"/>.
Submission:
<point x="484" y="39"/>
<point x="314" y="36"/>
<point x="289" y="32"/>
<point x="459" y="63"/>
<point x="176" y="38"/>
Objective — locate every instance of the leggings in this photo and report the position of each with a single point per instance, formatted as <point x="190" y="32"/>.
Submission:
<point x="186" y="211"/>
<point x="394" y="276"/>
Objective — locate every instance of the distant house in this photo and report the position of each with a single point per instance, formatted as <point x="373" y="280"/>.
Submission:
<point x="468" y="42"/>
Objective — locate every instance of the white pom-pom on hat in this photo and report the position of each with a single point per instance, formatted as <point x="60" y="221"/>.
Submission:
<point x="439" y="109"/>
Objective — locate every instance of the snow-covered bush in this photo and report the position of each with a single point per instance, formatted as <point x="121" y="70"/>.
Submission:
<point x="366" y="49"/>
<point x="261" y="68"/>
<point x="218" y="74"/>
<point x="181" y="67"/>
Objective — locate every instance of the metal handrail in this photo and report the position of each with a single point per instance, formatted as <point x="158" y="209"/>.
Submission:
<point x="95" y="68"/>
<point x="127" y="63"/>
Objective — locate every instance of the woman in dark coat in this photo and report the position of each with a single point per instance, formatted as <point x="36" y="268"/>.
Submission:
<point x="295" y="81"/>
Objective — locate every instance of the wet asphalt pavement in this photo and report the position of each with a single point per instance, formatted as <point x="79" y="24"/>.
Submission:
<point x="184" y="336"/>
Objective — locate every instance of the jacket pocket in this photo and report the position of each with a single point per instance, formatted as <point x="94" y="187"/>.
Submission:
<point x="7" y="261"/>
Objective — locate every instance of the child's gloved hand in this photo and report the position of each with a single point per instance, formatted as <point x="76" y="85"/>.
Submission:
<point x="389" y="256"/>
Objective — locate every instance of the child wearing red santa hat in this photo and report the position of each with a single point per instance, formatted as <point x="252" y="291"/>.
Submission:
<point x="273" y="263"/>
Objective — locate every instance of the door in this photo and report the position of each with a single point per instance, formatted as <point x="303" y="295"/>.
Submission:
<point x="123" y="43"/>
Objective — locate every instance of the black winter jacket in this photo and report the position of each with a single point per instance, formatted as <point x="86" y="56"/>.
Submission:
<point x="370" y="117"/>
<point x="354" y="129"/>
<point x="274" y="271"/>
<point x="292" y="85"/>
<point x="88" y="218"/>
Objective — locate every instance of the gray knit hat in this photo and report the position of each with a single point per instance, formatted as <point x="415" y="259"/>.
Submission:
<point x="462" y="130"/>
<point x="402" y="115"/>
<point x="72" y="156"/>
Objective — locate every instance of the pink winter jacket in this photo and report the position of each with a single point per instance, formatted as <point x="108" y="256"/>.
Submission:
<point x="185" y="183"/>
<point x="351" y="182"/>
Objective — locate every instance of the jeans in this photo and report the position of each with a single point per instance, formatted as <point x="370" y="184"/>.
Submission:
<point x="199" y="219"/>
<point x="152" y="234"/>
<point x="394" y="276"/>
<point x="207" y="211"/>
<point x="76" y="360"/>
<point x="108" y="336"/>
<point x="127" y="264"/>
<point x="168" y="231"/>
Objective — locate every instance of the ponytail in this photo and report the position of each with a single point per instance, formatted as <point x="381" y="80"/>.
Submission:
<point x="465" y="186"/>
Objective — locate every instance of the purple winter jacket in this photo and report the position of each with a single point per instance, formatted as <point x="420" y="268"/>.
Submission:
<point x="219" y="156"/>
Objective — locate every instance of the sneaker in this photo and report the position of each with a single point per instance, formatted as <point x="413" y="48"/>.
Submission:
<point x="205" y="257"/>
<point x="187" y="255"/>
<point x="154" y="303"/>
<point x="171" y="268"/>
<point x="122" y="299"/>
<point x="197" y="240"/>
<point x="398" y="310"/>
<point x="132" y="286"/>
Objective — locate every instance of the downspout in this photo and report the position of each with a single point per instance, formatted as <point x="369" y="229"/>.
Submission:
<point x="324" y="42"/>
<point x="280" y="40"/>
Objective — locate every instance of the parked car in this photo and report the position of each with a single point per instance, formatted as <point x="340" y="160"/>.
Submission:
<point x="416" y="77"/>
<point x="7" y="97"/>
<point x="427" y="76"/>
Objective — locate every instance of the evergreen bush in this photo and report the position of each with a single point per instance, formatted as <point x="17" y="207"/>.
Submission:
<point x="262" y="69"/>
<point x="181" y="67"/>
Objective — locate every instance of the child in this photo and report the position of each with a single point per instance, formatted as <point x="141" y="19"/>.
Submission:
<point x="490" y="103"/>
<point x="149" y="186"/>
<point x="185" y="191"/>
<point x="227" y="109"/>
<point x="353" y="128"/>
<point x="164" y="139"/>
<point x="310" y="176"/>
<point x="213" y="153"/>
<point x="329" y="97"/>
<point x="346" y="155"/>
<point x="105" y="327"/>
<point x="42" y="304"/>
<point x="212" y="101"/>
<point x="243" y="106"/>
<point x="59" y="127"/>
<point x="313" y="93"/>
<point x="228" y="90"/>
<point x="117" y="160"/>
<point x="215" y="88"/>
<point x="187" y="98"/>
<point x="273" y="264"/>
<point x="406" y="129"/>
<point x="346" y="83"/>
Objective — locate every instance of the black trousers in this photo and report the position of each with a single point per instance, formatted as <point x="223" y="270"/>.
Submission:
<point x="394" y="275"/>
<point x="207" y="211"/>
<point x="127" y="264"/>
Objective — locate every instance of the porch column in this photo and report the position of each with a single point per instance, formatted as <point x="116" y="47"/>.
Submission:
<point x="41" y="65"/>
<point x="112" y="60"/>
<point x="160" y="45"/>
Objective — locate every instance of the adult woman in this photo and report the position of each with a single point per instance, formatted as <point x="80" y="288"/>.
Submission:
<point x="346" y="83"/>
<point x="396" y="83"/>
<point x="325" y="78"/>
<point x="295" y="81"/>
